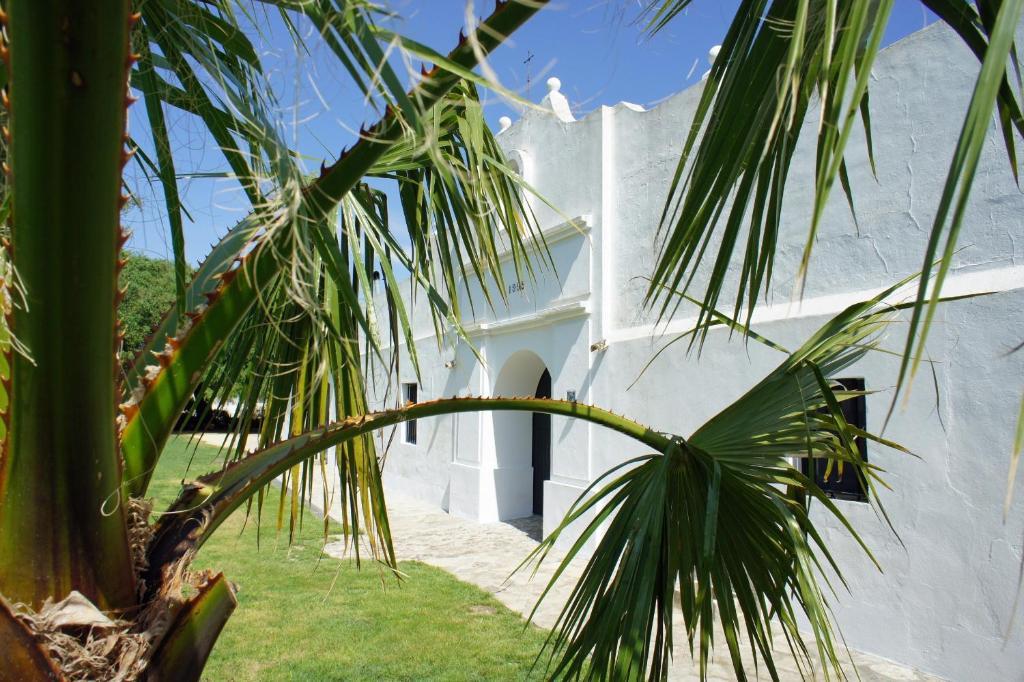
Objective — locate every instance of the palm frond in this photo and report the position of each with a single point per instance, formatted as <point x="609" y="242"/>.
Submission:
<point x="722" y="518"/>
<point x="777" y="59"/>
<point x="295" y="367"/>
<point x="285" y="249"/>
<point x="165" y="168"/>
<point x="206" y="502"/>
<point x="286" y="349"/>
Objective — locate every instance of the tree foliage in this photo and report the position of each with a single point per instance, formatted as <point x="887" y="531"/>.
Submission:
<point x="148" y="285"/>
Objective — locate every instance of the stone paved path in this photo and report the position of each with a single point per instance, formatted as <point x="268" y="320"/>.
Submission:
<point x="485" y="554"/>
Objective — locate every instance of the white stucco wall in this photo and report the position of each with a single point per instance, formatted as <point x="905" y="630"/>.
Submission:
<point x="943" y="602"/>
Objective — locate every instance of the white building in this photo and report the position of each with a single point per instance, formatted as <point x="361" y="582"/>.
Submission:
<point x="943" y="603"/>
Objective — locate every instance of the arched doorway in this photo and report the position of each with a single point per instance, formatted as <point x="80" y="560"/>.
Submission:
<point x="522" y="440"/>
<point x="541" y="455"/>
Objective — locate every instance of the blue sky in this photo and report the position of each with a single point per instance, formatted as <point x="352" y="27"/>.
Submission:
<point x="594" y="46"/>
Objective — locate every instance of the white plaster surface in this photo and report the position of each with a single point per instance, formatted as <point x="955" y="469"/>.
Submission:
<point x="943" y="601"/>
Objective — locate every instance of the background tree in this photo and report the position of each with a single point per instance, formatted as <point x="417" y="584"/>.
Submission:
<point x="148" y="285"/>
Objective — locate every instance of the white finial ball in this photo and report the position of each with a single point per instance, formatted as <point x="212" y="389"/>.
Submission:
<point x="505" y="123"/>
<point x="713" y="53"/>
<point x="554" y="84"/>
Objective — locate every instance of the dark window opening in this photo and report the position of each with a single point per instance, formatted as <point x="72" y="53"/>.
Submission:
<point x="845" y="485"/>
<point x="410" y="394"/>
<point x="541" y="453"/>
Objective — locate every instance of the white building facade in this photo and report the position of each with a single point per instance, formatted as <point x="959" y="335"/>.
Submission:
<point x="943" y="604"/>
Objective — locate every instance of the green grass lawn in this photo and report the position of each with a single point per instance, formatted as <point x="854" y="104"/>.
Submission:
<point x="291" y="624"/>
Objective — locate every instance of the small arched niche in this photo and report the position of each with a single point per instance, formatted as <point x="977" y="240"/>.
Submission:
<point x="518" y="162"/>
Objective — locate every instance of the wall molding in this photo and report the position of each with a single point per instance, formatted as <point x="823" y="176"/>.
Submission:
<point x="560" y="309"/>
<point x="990" y="281"/>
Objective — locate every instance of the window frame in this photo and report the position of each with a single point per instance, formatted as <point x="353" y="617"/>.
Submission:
<point x="855" y="412"/>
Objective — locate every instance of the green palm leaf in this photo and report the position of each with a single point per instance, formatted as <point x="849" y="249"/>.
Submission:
<point x="777" y="56"/>
<point x="281" y="249"/>
<point x="776" y="59"/>
<point x="722" y="518"/>
<point x="206" y="502"/>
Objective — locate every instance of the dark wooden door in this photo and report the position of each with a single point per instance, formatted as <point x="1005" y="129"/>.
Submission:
<point x="541" y="445"/>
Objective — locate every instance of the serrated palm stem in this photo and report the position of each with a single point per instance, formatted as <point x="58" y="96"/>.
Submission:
<point x="204" y="504"/>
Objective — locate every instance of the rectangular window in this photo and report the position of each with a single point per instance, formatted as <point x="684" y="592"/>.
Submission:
<point x="846" y="485"/>
<point x="410" y="395"/>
